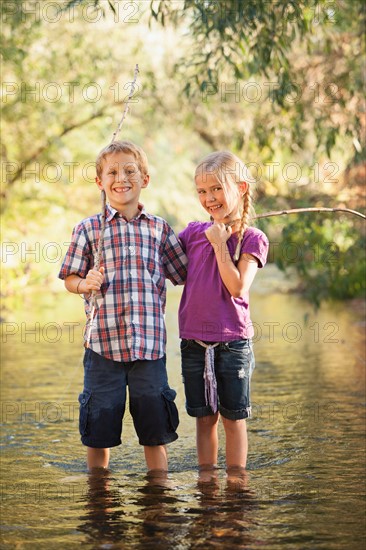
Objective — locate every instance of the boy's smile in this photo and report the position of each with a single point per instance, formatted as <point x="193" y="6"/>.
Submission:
<point x="122" y="181"/>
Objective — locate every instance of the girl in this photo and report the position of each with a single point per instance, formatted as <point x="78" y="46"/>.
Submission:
<point x="214" y="317"/>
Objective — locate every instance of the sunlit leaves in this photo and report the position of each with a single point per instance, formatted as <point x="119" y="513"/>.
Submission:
<point x="328" y="255"/>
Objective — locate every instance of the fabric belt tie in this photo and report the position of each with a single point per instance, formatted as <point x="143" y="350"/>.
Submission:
<point x="209" y="375"/>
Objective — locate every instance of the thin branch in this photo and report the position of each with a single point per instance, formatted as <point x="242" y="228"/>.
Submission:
<point x="71" y="127"/>
<point x="102" y="226"/>
<point x="127" y="103"/>
<point x="299" y="210"/>
<point x="96" y="266"/>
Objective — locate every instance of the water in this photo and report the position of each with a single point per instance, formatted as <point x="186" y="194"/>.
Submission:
<point x="306" y="462"/>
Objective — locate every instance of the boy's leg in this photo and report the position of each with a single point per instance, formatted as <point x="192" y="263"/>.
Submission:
<point x="97" y="458"/>
<point x="153" y="410"/>
<point x="156" y="457"/>
<point x="236" y="442"/>
<point x="102" y="405"/>
<point x="207" y="440"/>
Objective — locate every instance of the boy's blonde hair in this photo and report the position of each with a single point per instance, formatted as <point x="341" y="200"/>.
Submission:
<point x="124" y="147"/>
<point x="230" y="171"/>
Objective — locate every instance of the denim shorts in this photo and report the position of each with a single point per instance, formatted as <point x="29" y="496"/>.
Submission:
<point x="103" y="401"/>
<point x="234" y="365"/>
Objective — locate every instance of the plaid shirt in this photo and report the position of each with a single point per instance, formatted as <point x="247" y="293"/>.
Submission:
<point x="137" y="256"/>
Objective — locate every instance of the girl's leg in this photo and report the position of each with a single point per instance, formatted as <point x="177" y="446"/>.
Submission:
<point x="236" y="442"/>
<point x="156" y="457"/>
<point x="97" y="458"/>
<point x="207" y="439"/>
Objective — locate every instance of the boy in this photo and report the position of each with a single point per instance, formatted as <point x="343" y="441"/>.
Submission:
<point x="127" y="345"/>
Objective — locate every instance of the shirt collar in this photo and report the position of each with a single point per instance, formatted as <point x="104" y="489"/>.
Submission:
<point x="112" y="212"/>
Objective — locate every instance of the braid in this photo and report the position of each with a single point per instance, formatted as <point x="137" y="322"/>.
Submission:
<point x="231" y="171"/>
<point x="244" y="222"/>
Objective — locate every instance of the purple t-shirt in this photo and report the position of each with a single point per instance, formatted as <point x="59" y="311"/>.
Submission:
<point x="207" y="310"/>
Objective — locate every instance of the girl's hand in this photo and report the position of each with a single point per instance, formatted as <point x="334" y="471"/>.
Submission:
<point x="218" y="233"/>
<point x="94" y="279"/>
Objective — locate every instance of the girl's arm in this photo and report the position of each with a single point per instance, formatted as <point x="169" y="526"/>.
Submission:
<point x="237" y="279"/>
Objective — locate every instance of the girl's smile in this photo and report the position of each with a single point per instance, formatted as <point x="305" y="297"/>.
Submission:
<point x="220" y="203"/>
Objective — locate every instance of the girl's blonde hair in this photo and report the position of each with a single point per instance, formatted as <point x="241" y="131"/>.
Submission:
<point x="230" y="171"/>
<point x="124" y="147"/>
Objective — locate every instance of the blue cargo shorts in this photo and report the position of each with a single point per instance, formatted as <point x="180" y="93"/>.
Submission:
<point x="103" y="401"/>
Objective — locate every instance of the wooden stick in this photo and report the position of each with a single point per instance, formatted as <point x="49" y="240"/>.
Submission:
<point x="102" y="225"/>
<point x="299" y="210"/>
<point x="127" y="103"/>
<point x="98" y="255"/>
<point x="293" y="211"/>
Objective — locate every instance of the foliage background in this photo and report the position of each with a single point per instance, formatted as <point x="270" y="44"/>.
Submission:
<point x="280" y="83"/>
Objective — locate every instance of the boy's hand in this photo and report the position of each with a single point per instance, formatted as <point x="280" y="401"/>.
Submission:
<point x="218" y="233"/>
<point x="94" y="279"/>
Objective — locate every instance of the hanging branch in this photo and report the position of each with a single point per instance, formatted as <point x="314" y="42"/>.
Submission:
<point x="126" y="107"/>
<point x="103" y="201"/>
<point x="299" y="210"/>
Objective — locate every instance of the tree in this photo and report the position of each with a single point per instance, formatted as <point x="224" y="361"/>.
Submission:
<point x="306" y="55"/>
<point x="65" y="81"/>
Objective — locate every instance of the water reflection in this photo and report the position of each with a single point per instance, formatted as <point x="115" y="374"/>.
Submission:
<point x="103" y="521"/>
<point x="220" y="512"/>
<point x="306" y="445"/>
<point x="227" y="511"/>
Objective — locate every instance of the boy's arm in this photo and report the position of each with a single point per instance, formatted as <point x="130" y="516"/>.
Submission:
<point x="174" y="259"/>
<point x="75" y="270"/>
<point x="75" y="284"/>
<point x="78" y="285"/>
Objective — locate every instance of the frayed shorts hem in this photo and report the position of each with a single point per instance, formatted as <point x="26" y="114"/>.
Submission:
<point x="241" y="414"/>
<point x="199" y="412"/>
